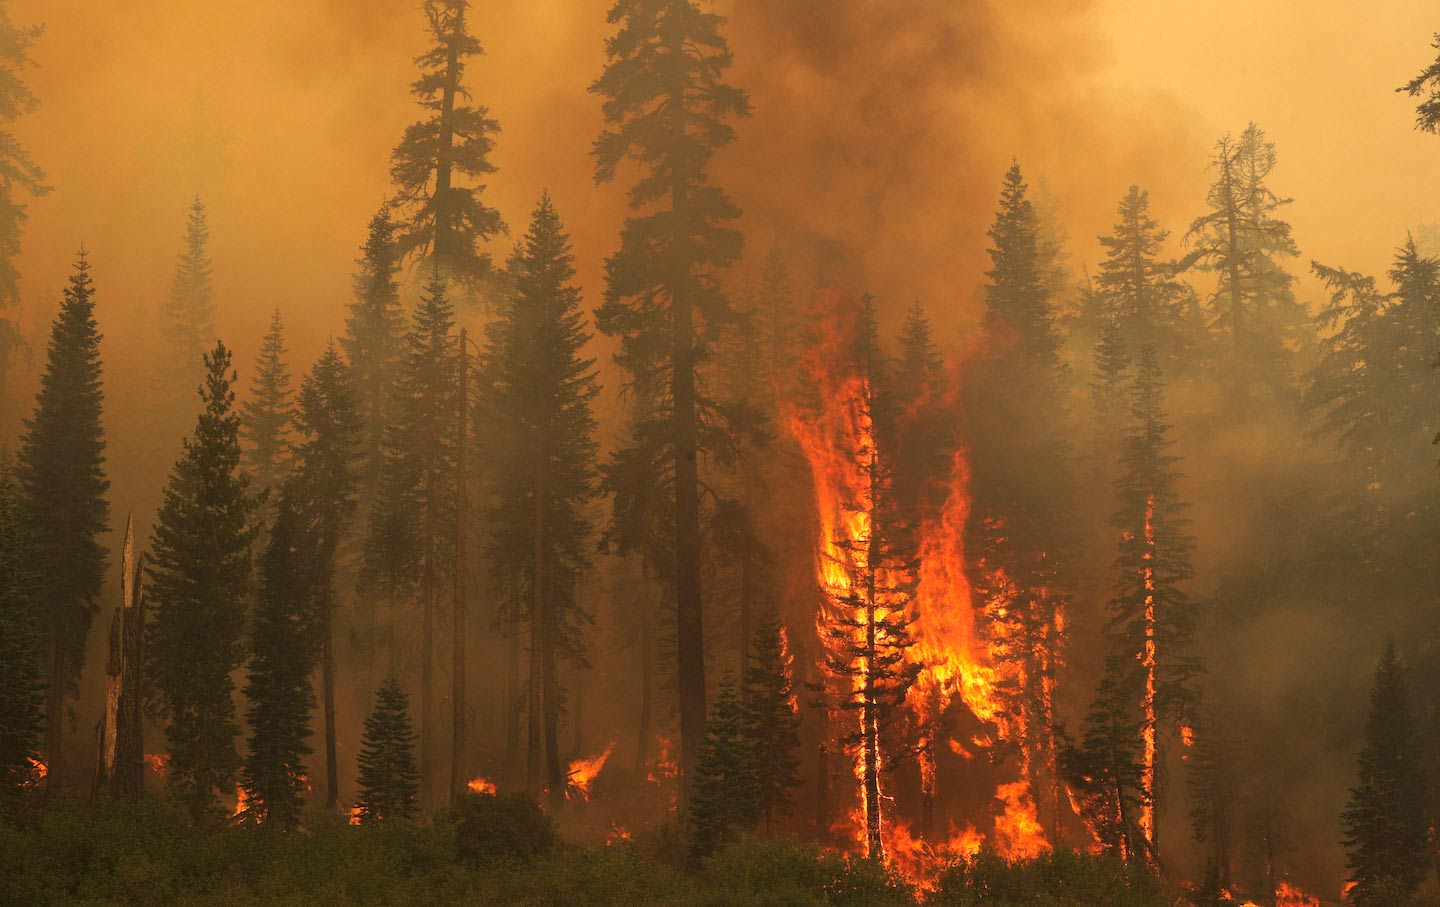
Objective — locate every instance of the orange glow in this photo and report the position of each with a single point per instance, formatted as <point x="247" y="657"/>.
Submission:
<point x="1288" y="895"/>
<point x="242" y="805"/>
<point x="40" y="770"/>
<point x="582" y="774"/>
<point x="618" y="833"/>
<point x="158" y="762"/>
<point x="1018" y="835"/>
<point x="920" y="862"/>
<point x="481" y="785"/>
<point x="1147" y="660"/>
<point x="354" y="815"/>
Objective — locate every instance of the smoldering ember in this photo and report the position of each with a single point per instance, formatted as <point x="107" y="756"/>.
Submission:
<point x="962" y="453"/>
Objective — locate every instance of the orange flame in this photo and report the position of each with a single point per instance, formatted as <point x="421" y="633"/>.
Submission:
<point x="1288" y="895"/>
<point x="242" y="803"/>
<point x="481" y="785"/>
<point x="1147" y="782"/>
<point x="617" y="834"/>
<point x="355" y="815"/>
<point x="157" y="761"/>
<point x="920" y="862"/>
<point x="583" y="771"/>
<point x="38" y="771"/>
<point x="1018" y="835"/>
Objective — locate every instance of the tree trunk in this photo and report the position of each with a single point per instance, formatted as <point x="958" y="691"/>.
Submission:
<point x="443" y="245"/>
<point x="555" y="776"/>
<point x="327" y="682"/>
<point x="512" y="688"/>
<point x="55" y="714"/>
<point x="427" y="654"/>
<point x="458" y="772"/>
<point x="121" y="770"/>
<point x="642" y="741"/>
<point x="539" y="630"/>
<point x="746" y="569"/>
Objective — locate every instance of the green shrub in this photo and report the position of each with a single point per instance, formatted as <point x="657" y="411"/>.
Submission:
<point x="488" y="827"/>
<point x="1062" y="878"/>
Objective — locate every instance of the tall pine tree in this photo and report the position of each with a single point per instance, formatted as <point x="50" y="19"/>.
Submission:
<point x="1427" y="86"/>
<point x="442" y="220"/>
<point x="199" y="585"/>
<point x="61" y="471"/>
<point x="187" y="331"/>
<point x="282" y="658"/>
<point x="1138" y="287"/>
<point x="265" y="417"/>
<point x="329" y="426"/>
<point x="1386" y="830"/>
<point x="667" y="109"/>
<point x="542" y="432"/>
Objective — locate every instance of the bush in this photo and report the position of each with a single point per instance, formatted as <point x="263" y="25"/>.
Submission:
<point x="1062" y="878"/>
<point x="789" y="872"/>
<point x="488" y="827"/>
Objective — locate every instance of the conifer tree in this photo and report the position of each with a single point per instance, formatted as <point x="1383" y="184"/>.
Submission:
<point x="199" y="584"/>
<point x="726" y="797"/>
<point x="1152" y="620"/>
<point x="61" y="473"/>
<point x="542" y="432"/>
<point x="389" y="781"/>
<point x="21" y="686"/>
<point x="777" y="326"/>
<point x="1105" y="770"/>
<point x="1138" y="287"/>
<point x="329" y="426"/>
<point x="283" y="649"/>
<point x="187" y="330"/>
<point x="1109" y="391"/>
<point x="921" y="444"/>
<point x="1023" y="491"/>
<point x="667" y="109"/>
<point x="265" y="417"/>
<point x="772" y="720"/>
<point x="1386" y="829"/>
<point x="1427" y="86"/>
<point x="19" y="174"/>
<point x="442" y="220"/>
<point x="1215" y="795"/>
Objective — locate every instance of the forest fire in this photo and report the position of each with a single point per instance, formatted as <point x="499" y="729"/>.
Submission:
<point x="582" y="774"/>
<point x="38" y="771"/>
<point x="481" y="785"/>
<point x="158" y="762"/>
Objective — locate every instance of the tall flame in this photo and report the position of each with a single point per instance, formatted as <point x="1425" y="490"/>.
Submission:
<point x="583" y="771"/>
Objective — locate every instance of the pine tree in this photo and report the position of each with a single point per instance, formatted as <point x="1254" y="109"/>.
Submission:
<point x="389" y="781"/>
<point x="187" y="330"/>
<point x="542" y="431"/>
<point x="1105" y="771"/>
<point x="1109" y="391"/>
<point x="1023" y="491"/>
<point x="19" y="175"/>
<point x="199" y="584"/>
<point x="1152" y="620"/>
<point x="1244" y="242"/>
<point x="283" y="654"/>
<point x="1215" y="795"/>
<point x="21" y="686"/>
<point x="1138" y="287"/>
<point x="922" y="443"/>
<point x="329" y="426"/>
<point x="772" y="720"/>
<point x="777" y="326"/>
<point x="444" y="221"/>
<point x="1427" y="85"/>
<point x="726" y="798"/>
<point x="265" y="417"/>
<point x="667" y="110"/>
<point x="61" y="472"/>
<point x="1386" y="829"/>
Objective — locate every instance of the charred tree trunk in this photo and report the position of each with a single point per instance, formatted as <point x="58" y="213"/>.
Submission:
<point x="458" y="771"/>
<point x="642" y="741"/>
<point x="327" y="683"/>
<point x="539" y="624"/>
<point x="512" y="687"/>
<point x="121" y="770"/>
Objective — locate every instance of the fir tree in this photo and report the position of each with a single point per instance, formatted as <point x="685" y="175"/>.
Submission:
<point x="186" y="328"/>
<point x="1109" y="391"/>
<point x="542" y="432"/>
<point x="61" y="473"/>
<point x="667" y="109"/>
<point x="283" y="649"/>
<point x="1386" y="829"/>
<point x="265" y="417"/>
<point x="21" y="686"/>
<point x="726" y="798"/>
<point x="1427" y="86"/>
<point x="1138" y="287"/>
<point x="777" y="327"/>
<point x="1215" y="795"/>
<point x="19" y="175"/>
<point x="1152" y="620"/>
<point x="199" y="584"/>
<point x="772" y="720"/>
<point x="443" y="220"/>
<point x="326" y="476"/>
<point x="922" y="441"/>
<point x="1105" y="770"/>
<point x="389" y="781"/>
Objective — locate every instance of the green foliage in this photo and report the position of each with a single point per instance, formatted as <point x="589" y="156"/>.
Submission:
<point x="389" y="780"/>
<point x="490" y="828"/>
<point x="18" y="172"/>
<point x="1386" y="828"/>
<point x="283" y="647"/>
<point x="265" y="417"/>
<point x="21" y="686"/>
<point x="772" y="720"/>
<point x="1104" y="770"/>
<point x="187" y="329"/>
<point x="443" y="220"/>
<point x="61" y="474"/>
<point x="199" y="586"/>
<point x="725" y="800"/>
<point x="1427" y="87"/>
<point x="1138" y="288"/>
<point x="1061" y="878"/>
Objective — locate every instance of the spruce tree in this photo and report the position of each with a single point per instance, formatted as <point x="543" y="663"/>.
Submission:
<point x="443" y="221"/>
<point x="667" y="109"/>
<point x="1386" y="829"/>
<point x="265" y="417"/>
<point x="726" y="788"/>
<point x="329" y="426"/>
<point x="1105" y="771"/>
<point x="19" y="175"/>
<point x="1215" y="796"/>
<point x="187" y="331"/>
<point x="389" y="781"/>
<point x="1109" y="392"/>
<point x="922" y="443"/>
<point x="1138" y="287"/>
<point x="199" y="585"/>
<point x="772" y="720"/>
<point x="283" y="648"/>
<point x="777" y="328"/>
<point x="542" y="433"/>
<point x="21" y="686"/>
<point x="1152" y="620"/>
<point x="61" y="473"/>
<point x="1427" y="86"/>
